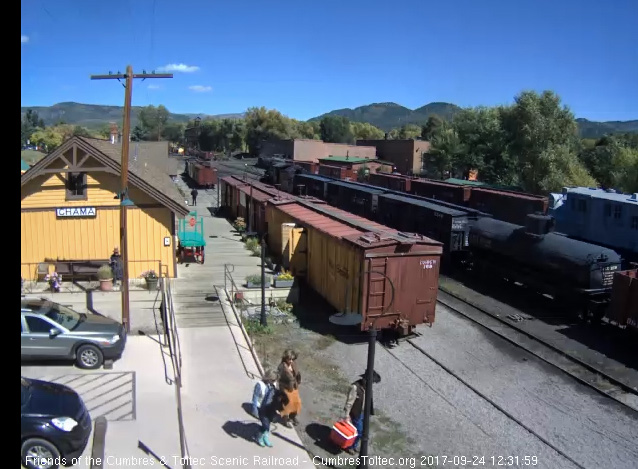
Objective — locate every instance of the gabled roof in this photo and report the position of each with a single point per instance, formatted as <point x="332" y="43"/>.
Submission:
<point x="146" y="177"/>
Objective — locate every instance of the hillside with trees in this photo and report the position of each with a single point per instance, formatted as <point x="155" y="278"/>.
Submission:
<point x="533" y="143"/>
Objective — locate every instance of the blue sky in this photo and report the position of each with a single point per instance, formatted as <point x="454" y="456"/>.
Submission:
<point x="305" y="58"/>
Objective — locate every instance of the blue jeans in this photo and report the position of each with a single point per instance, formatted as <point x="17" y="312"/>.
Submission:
<point x="358" y="424"/>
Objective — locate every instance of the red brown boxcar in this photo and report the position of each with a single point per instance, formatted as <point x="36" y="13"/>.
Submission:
<point x="391" y="181"/>
<point x="444" y="191"/>
<point x="390" y="278"/>
<point x="202" y="174"/>
<point x="336" y="172"/>
<point x="623" y="308"/>
<point x="509" y="206"/>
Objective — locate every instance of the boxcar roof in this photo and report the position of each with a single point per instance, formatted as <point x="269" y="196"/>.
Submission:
<point x="316" y="177"/>
<point x="429" y="205"/>
<point x="361" y="187"/>
<point x="602" y="194"/>
<point x="344" y="225"/>
<point x="256" y="194"/>
<point x="504" y="193"/>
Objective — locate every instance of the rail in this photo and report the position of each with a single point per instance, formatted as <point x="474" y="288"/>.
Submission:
<point x="229" y="281"/>
<point x="175" y="353"/>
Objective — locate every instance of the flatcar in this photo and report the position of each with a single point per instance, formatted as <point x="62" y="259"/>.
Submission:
<point x="576" y="273"/>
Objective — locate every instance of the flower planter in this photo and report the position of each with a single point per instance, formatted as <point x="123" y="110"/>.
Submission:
<point x="151" y="283"/>
<point x="106" y="284"/>
<point x="284" y="283"/>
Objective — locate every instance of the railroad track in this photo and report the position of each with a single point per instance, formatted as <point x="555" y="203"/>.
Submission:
<point x="234" y="170"/>
<point x="584" y="373"/>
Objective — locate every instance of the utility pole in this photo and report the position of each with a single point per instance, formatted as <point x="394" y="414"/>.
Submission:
<point x="124" y="200"/>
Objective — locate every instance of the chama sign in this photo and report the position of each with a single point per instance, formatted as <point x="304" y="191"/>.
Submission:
<point x="75" y="212"/>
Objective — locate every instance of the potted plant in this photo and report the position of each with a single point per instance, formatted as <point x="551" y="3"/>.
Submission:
<point x="105" y="276"/>
<point x="254" y="281"/>
<point x="284" y="280"/>
<point x="151" y="279"/>
<point x="55" y="281"/>
<point x="239" y="225"/>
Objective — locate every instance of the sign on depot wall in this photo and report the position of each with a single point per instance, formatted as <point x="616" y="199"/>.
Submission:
<point x="75" y="212"/>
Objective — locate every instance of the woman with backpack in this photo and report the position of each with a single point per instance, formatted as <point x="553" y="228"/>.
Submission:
<point x="273" y="402"/>
<point x="259" y="391"/>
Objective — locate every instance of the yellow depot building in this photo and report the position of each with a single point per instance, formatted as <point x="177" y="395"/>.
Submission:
<point x="70" y="212"/>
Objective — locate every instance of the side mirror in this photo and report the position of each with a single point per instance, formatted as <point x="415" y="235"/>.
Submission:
<point x="54" y="332"/>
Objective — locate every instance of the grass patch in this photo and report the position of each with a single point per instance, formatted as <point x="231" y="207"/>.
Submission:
<point x="254" y="328"/>
<point x="324" y="342"/>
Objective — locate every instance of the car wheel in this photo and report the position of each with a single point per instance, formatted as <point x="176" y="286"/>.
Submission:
<point x="89" y="357"/>
<point x="40" y="454"/>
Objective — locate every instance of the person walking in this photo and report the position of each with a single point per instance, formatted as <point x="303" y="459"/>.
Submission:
<point x="353" y="410"/>
<point x="259" y="391"/>
<point x="289" y="381"/>
<point x="116" y="266"/>
<point x="273" y="402"/>
<point x="194" y="196"/>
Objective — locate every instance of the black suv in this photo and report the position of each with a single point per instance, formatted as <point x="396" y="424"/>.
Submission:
<point x="55" y="424"/>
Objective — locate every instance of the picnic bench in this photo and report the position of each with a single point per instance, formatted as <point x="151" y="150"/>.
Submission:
<point x="78" y="269"/>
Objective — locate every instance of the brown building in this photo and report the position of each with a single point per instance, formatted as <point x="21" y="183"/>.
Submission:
<point x="313" y="150"/>
<point x="406" y="155"/>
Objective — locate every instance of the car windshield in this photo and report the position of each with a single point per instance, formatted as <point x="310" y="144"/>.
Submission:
<point x="64" y="316"/>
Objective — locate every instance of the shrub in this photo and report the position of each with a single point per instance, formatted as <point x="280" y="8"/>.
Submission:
<point x="257" y="279"/>
<point x="240" y="225"/>
<point x="252" y="244"/>
<point x="105" y="272"/>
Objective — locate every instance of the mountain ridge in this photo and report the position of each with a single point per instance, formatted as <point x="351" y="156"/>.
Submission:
<point x="385" y="115"/>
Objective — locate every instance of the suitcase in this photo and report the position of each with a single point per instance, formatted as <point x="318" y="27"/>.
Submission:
<point x="343" y="434"/>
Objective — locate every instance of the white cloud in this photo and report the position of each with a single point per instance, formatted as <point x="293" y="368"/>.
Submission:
<point x="154" y="87"/>
<point x="200" y="88"/>
<point x="24" y="39"/>
<point x="178" y="68"/>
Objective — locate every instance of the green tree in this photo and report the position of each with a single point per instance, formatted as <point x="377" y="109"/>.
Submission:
<point x="50" y="138"/>
<point x="174" y="132"/>
<point x="366" y="131"/>
<point x="484" y="145"/>
<point x="564" y="169"/>
<point x="336" y="129"/>
<point x="431" y="126"/>
<point x="445" y="152"/>
<point x="309" y="130"/>
<point x="263" y="124"/>
<point x="535" y="125"/>
<point x="30" y="123"/>
<point x="625" y="170"/>
<point x="409" y="131"/>
<point x="152" y="121"/>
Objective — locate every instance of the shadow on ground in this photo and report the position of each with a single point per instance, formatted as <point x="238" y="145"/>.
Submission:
<point x="242" y="429"/>
<point x="613" y="342"/>
<point x="320" y="435"/>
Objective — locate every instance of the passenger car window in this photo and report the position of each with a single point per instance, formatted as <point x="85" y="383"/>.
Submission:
<point x="38" y="325"/>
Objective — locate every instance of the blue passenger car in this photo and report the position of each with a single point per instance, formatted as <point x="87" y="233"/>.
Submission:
<point x="606" y="218"/>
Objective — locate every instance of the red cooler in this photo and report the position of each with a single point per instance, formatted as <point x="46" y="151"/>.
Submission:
<point x="343" y="434"/>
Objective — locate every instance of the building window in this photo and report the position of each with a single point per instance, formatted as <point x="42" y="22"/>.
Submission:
<point x="617" y="212"/>
<point x="634" y="223"/>
<point x="607" y="210"/>
<point x="76" y="186"/>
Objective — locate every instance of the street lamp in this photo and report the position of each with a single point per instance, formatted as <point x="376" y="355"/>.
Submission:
<point x="352" y="319"/>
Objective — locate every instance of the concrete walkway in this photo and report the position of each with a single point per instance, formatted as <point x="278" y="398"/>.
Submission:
<point x="218" y="370"/>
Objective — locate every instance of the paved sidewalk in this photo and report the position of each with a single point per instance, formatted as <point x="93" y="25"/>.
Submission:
<point x="218" y="370"/>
